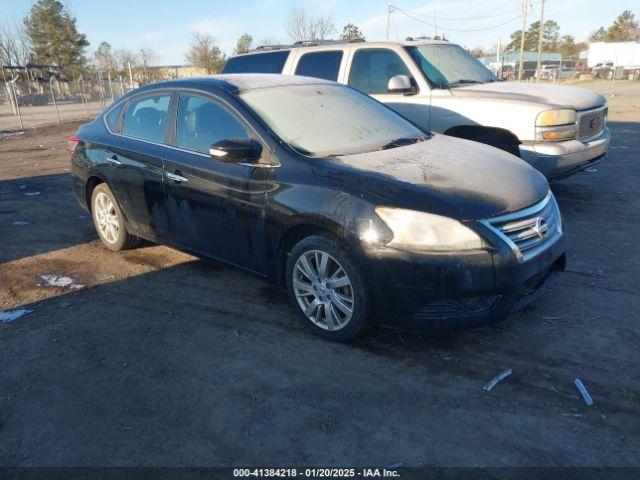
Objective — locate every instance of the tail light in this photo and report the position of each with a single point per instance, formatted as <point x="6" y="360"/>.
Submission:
<point x="73" y="143"/>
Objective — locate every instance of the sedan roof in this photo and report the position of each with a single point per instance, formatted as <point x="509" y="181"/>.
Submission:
<point x="234" y="82"/>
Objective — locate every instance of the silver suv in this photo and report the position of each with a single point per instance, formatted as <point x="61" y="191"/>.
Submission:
<point x="558" y="129"/>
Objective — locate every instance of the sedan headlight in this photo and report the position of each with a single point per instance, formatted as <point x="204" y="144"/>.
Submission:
<point x="556" y="125"/>
<point x="427" y="232"/>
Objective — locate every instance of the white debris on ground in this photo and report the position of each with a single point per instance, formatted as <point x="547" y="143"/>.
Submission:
<point x="583" y="391"/>
<point x="13" y="315"/>
<point x="103" y="277"/>
<point x="20" y="223"/>
<point x="59" y="281"/>
<point x="31" y="194"/>
<point x="497" y="379"/>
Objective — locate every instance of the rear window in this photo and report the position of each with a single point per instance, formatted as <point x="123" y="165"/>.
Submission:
<point x="271" y="62"/>
<point x="113" y="118"/>
<point x="325" y="65"/>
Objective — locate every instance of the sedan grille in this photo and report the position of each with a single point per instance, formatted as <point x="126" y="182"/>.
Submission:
<point x="529" y="231"/>
<point x="591" y="122"/>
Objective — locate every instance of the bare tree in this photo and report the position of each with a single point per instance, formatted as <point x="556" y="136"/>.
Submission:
<point x="203" y="52"/>
<point x="302" y="27"/>
<point x="268" y="41"/>
<point x="321" y="28"/>
<point x="124" y="58"/>
<point x="14" y="45"/>
<point x="296" y="24"/>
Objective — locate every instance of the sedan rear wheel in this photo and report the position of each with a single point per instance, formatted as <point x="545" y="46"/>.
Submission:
<point x="108" y="220"/>
<point x="328" y="288"/>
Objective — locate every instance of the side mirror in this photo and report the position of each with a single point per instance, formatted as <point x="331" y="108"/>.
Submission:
<point x="401" y="84"/>
<point x="232" y="150"/>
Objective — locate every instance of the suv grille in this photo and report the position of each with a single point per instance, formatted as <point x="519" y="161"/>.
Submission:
<point x="591" y="122"/>
<point x="529" y="231"/>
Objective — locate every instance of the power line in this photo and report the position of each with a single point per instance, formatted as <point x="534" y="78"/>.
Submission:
<point x="456" y="29"/>
<point x="460" y="18"/>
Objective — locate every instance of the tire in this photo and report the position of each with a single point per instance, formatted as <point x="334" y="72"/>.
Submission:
<point x="109" y="221"/>
<point x="330" y="318"/>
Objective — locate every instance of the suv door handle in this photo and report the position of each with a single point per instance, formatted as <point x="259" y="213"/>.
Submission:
<point x="176" y="178"/>
<point x="113" y="160"/>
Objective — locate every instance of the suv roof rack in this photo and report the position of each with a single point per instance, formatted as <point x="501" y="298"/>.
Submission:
<point x="302" y="43"/>
<point x="437" y="37"/>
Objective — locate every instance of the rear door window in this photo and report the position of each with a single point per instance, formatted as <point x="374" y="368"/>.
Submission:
<point x="203" y="122"/>
<point x="372" y="68"/>
<point x="146" y="116"/>
<point x="324" y="65"/>
<point x="270" y="62"/>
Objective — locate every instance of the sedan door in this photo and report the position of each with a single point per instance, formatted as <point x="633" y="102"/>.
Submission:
<point x="134" y="164"/>
<point x="214" y="208"/>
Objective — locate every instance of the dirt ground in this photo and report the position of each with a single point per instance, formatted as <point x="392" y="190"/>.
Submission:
<point x="155" y="358"/>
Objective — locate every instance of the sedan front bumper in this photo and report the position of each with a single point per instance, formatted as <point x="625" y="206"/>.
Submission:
<point x="424" y="293"/>
<point x="558" y="160"/>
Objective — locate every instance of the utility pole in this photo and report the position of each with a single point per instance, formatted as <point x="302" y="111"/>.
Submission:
<point x="540" y="35"/>
<point x="389" y="10"/>
<point x="130" y="76"/>
<point x="525" y="8"/>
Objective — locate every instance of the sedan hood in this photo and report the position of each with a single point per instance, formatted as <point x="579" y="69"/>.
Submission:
<point x="552" y="96"/>
<point x="447" y="176"/>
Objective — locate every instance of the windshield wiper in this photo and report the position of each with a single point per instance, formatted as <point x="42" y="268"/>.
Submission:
<point x="399" y="142"/>
<point x="464" y="81"/>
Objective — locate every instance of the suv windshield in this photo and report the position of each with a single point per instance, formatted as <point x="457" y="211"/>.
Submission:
<point x="330" y="120"/>
<point x="447" y="66"/>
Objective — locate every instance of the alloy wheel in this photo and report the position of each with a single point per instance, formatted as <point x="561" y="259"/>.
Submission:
<point x="106" y="218"/>
<point x="323" y="290"/>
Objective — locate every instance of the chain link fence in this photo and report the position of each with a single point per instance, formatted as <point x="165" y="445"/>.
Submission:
<point x="36" y="102"/>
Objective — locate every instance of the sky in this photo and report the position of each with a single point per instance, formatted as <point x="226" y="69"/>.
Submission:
<point x="167" y="26"/>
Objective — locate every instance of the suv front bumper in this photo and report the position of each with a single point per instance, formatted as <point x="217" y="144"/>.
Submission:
<point x="557" y="160"/>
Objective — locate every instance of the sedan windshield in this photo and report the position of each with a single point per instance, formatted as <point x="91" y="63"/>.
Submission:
<point x="447" y="66"/>
<point x="330" y="120"/>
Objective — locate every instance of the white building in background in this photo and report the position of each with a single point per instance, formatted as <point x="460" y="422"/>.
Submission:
<point x="621" y="54"/>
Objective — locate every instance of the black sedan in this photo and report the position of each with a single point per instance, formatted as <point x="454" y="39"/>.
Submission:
<point x="311" y="185"/>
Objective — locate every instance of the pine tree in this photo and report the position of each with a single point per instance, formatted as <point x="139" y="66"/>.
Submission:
<point x="54" y="37"/>
<point x="624" y="28"/>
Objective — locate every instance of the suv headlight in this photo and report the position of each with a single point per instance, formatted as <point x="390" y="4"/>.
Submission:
<point x="422" y="231"/>
<point x="556" y="125"/>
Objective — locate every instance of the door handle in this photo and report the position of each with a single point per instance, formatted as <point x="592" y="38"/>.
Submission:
<point x="113" y="160"/>
<point x="176" y="178"/>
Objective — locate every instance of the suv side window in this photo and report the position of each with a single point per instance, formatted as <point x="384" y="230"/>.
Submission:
<point x="145" y="117"/>
<point x="325" y="65"/>
<point x="270" y="62"/>
<point x="371" y="69"/>
<point x="202" y="122"/>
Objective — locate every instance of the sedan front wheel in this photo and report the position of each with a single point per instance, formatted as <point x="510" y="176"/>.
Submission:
<point x="327" y="287"/>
